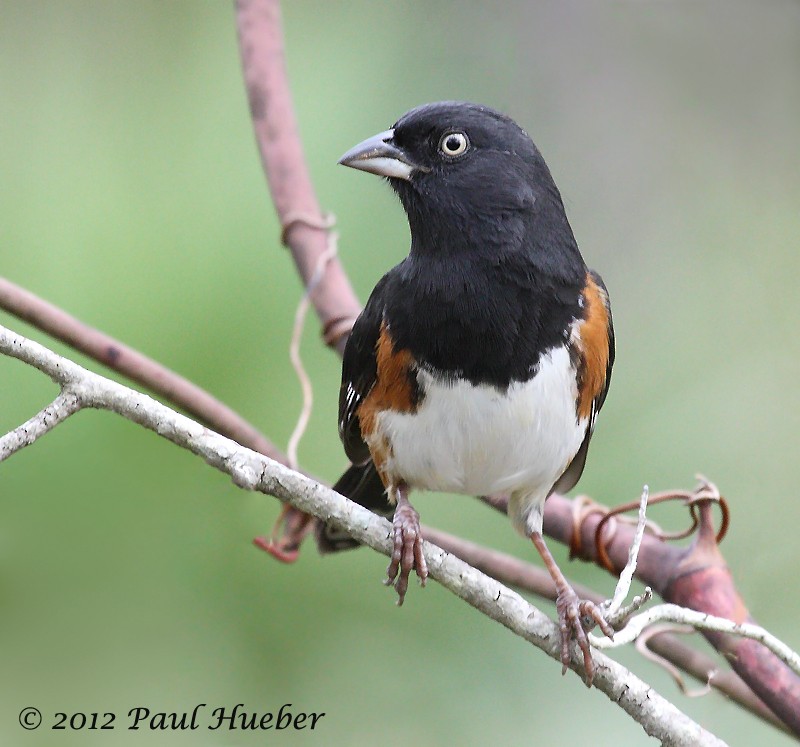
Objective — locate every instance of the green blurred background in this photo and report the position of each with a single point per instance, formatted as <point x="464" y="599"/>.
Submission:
<point x="132" y="196"/>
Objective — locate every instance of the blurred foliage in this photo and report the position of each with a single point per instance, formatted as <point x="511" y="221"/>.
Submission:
<point x="133" y="197"/>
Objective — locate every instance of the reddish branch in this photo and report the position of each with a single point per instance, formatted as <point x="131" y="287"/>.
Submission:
<point x="304" y="227"/>
<point x="134" y="365"/>
<point x="696" y="577"/>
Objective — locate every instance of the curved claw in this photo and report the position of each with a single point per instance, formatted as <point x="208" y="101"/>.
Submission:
<point x="575" y="618"/>
<point x="407" y="551"/>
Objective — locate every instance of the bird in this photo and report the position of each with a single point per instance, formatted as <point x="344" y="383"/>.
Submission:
<point x="480" y="362"/>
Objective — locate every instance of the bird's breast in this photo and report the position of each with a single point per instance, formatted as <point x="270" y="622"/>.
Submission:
<point x="480" y="439"/>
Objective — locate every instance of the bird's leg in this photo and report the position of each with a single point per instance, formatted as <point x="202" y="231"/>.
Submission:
<point x="407" y="552"/>
<point x="575" y="616"/>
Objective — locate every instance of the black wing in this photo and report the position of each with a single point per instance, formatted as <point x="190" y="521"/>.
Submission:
<point x="359" y="373"/>
<point x="573" y="473"/>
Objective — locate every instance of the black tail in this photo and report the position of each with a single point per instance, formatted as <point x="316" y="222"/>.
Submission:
<point x="362" y="485"/>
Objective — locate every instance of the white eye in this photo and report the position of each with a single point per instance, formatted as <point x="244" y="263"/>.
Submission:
<point x="453" y="144"/>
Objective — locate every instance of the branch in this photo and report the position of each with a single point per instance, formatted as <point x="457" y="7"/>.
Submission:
<point x="134" y="365"/>
<point x="659" y="645"/>
<point x="66" y="404"/>
<point x="304" y="229"/>
<point x="672" y="613"/>
<point x="254" y="471"/>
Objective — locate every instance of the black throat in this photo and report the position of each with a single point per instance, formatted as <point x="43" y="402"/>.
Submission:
<point x="494" y="276"/>
<point x="483" y="299"/>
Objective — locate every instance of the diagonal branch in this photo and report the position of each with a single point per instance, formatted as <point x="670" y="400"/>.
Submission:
<point x="254" y="471"/>
<point x="134" y="365"/>
<point x="181" y="392"/>
<point x="67" y="403"/>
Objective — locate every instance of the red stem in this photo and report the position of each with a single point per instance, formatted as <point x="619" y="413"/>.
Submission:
<point x="135" y="365"/>
<point x="264" y="63"/>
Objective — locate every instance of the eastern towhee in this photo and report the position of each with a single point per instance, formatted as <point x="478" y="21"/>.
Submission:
<point x="480" y="362"/>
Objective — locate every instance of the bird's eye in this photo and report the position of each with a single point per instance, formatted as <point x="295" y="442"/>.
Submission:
<point x="453" y="144"/>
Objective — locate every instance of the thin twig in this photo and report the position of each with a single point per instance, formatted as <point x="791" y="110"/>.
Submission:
<point x="67" y="403"/>
<point x="700" y="621"/>
<point x="612" y="609"/>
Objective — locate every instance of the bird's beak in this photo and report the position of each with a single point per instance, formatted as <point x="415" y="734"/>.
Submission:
<point x="379" y="155"/>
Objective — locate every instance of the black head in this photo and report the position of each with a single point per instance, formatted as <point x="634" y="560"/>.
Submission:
<point x="469" y="178"/>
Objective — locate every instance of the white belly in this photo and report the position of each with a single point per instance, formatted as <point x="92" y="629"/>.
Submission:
<point x="478" y="441"/>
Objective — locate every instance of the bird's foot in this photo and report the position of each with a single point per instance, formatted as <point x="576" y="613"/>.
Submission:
<point x="407" y="553"/>
<point x="576" y="617"/>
